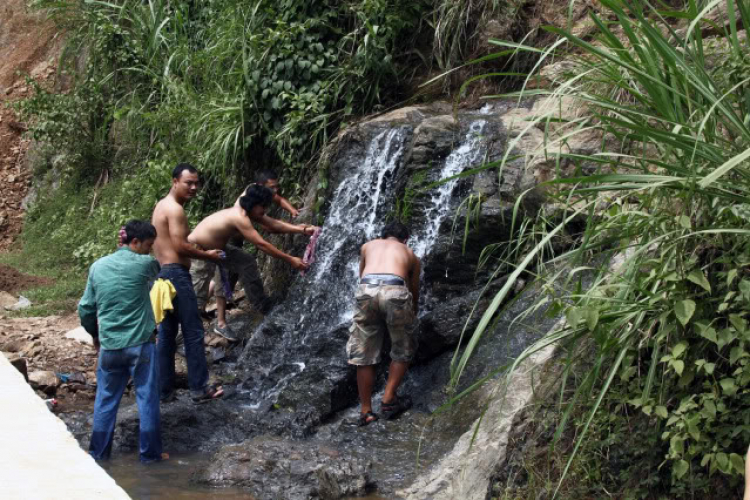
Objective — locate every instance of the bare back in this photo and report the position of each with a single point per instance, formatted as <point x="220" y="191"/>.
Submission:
<point x="390" y="256"/>
<point x="171" y="223"/>
<point x="387" y="257"/>
<point x="215" y="231"/>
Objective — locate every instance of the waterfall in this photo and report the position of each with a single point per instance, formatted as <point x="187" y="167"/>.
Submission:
<point x="469" y="153"/>
<point x="298" y="350"/>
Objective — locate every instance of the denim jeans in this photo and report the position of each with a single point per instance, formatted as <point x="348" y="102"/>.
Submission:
<point x="186" y="315"/>
<point x="115" y="368"/>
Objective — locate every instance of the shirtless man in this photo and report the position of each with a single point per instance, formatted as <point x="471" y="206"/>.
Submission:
<point x="387" y="297"/>
<point x="266" y="178"/>
<point x="173" y="251"/>
<point x="218" y="229"/>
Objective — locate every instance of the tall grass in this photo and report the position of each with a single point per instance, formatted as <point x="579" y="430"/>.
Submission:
<point x="666" y="336"/>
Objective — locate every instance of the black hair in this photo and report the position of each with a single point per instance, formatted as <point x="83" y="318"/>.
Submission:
<point x="265" y="175"/>
<point x="139" y="229"/>
<point x="396" y="229"/>
<point x="181" y="167"/>
<point x="256" y="195"/>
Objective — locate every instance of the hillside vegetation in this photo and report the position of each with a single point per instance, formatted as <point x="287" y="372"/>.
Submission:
<point x="230" y="86"/>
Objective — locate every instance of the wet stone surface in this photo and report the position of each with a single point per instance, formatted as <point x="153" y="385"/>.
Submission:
<point x="272" y="468"/>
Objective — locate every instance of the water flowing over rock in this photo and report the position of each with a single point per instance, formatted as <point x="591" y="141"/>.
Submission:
<point x="296" y="389"/>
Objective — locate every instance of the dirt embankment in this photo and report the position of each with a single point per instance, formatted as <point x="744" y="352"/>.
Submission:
<point x="29" y="45"/>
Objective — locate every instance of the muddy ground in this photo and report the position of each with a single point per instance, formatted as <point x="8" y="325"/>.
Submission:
<point x="12" y="280"/>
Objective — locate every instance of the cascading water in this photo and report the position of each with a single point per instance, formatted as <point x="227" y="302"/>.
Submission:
<point x="298" y="335"/>
<point x="467" y="154"/>
<point x="303" y="339"/>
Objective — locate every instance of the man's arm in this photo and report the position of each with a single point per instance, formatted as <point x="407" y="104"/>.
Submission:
<point x="178" y="233"/>
<point x="250" y="234"/>
<point x="362" y="259"/>
<point x="416" y="270"/>
<point x="87" y="309"/>
<point x="284" y="204"/>
<point x="276" y="226"/>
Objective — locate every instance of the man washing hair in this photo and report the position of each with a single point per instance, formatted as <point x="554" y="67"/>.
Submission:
<point x="386" y="299"/>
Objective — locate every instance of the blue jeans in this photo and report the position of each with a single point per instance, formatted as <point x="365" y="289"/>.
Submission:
<point x="186" y="315"/>
<point x="112" y="375"/>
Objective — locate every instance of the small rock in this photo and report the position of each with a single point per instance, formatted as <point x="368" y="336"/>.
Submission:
<point x="81" y="335"/>
<point x="23" y="303"/>
<point x="6" y="299"/>
<point x="44" y="380"/>
<point x="13" y="345"/>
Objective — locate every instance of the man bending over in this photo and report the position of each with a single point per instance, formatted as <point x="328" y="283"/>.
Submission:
<point x="215" y="232"/>
<point x="266" y="178"/>
<point x="174" y="253"/>
<point x="116" y="311"/>
<point x="387" y="298"/>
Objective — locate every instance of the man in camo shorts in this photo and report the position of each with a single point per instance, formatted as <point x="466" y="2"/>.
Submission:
<point x="387" y="299"/>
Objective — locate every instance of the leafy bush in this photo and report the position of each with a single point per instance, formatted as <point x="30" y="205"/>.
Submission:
<point x="667" y="333"/>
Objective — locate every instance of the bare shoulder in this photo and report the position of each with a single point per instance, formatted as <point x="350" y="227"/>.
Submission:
<point x="412" y="256"/>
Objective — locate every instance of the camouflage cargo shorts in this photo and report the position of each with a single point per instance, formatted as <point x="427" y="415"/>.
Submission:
<point x="380" y="308"/>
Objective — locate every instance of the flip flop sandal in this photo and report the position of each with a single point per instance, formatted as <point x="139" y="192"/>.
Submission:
<point x="395" y="408"/>
<point x="212" y="393"/>
<point x="367" y="419"/>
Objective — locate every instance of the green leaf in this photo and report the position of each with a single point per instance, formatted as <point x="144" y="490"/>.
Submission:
<point x="722" y="460"/>
<point x="661" y="411"/>
<point x="678" y="366"/>
<point x="737" y="462"/>
<point x="738" y="322"/>
<point x="710" y="334"/>
<point x="709" y="409"/>
<point x="697" y="277"/>
<point x="684" y="311"/>
<point x="592" y="318"/>
<point x="684" y="221"/>
<point x="744" y="287"/>
<point x="731" y="275"/>
<point x="678" y="349"/>
<point x="676" y="446"/>
<point x="728" y="386"/>
<point x="736" y="353"/>
<point x="680" y="468"/>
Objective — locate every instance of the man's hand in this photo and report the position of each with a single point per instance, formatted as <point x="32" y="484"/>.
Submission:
<point x="294" y="212"/>
<point x="215" y="255"/>
<point x="297" y="264"/>
<point x="309" y="229"/>
<point x="97" y="345"/>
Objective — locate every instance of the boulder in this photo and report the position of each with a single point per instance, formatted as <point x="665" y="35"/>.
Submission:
<point x="45" y="381"/>
<point x="275" y="468"/>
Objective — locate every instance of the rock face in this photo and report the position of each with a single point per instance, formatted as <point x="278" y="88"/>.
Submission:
<point x="295" y="387"/>
<point x="272" y="468"/>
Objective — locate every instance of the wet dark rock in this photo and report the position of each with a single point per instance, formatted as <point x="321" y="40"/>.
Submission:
<point x="275" y="468"/>
<point x="18" y="363"/>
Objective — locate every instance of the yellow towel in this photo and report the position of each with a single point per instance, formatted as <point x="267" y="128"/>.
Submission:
<point x="162" y="294"/>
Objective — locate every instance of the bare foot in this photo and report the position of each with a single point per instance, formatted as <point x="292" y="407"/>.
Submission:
<point x="165" y="456"/>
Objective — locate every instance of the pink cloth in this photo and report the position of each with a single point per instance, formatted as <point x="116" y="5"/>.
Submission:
<point x="309" y="256"/>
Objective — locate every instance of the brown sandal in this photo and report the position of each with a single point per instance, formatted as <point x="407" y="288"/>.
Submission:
<point x="366" y="419"/>
<point x="212" y="393"/>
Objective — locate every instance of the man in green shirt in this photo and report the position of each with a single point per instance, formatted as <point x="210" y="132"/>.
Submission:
<point x="116" y="310"/>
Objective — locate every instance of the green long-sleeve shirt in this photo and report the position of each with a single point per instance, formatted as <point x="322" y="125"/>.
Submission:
<point x="116" y="303"/>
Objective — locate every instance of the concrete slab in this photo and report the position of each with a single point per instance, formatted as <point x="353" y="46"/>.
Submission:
<point x="40" y="459"/>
